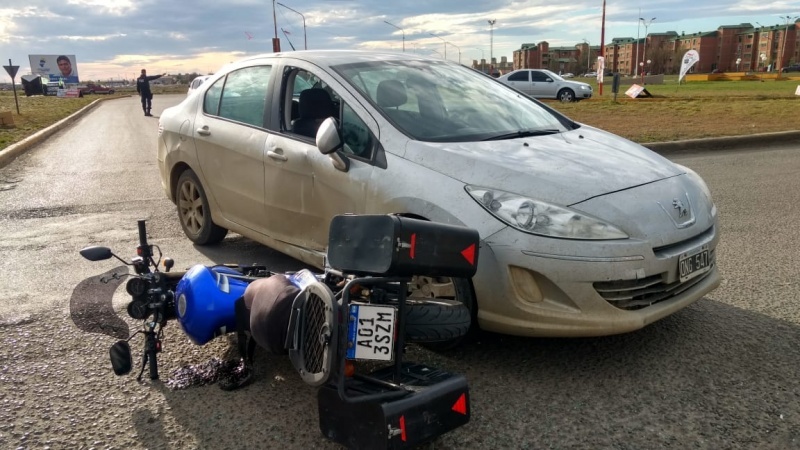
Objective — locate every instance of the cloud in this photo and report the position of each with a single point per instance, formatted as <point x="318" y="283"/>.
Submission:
<point x="115" y="37"/>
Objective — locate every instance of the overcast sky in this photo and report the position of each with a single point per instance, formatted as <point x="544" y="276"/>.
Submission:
<point x="114" y="39"/>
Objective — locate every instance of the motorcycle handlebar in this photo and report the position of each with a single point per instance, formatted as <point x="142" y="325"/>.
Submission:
<point x="145" y="248"/>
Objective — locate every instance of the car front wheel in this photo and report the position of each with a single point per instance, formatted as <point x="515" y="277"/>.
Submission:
<point x="566" y="95"/>
<point x="194" y="213"/>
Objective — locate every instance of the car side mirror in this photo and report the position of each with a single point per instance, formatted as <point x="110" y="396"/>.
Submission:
<point x="329" y="142"/>
<point x="549" y="80"/>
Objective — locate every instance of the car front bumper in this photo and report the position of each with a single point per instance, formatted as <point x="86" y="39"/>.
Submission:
<point x="529" y="291"/>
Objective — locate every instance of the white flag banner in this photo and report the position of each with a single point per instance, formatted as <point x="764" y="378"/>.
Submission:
<point x="689" y="59"/>
<point x="601" y="68"/>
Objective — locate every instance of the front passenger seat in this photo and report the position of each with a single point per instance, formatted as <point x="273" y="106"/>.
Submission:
<point x="315" y="106"/>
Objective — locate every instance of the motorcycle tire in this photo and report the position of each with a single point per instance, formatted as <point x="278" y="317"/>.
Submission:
<point x="436" y="321"/>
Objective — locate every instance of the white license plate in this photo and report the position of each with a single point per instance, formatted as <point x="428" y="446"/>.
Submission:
<point x="370" y="332"/>
<point x="692" y="264"/>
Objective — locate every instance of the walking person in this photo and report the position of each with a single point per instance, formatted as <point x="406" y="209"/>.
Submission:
<point x="143" y="88"/>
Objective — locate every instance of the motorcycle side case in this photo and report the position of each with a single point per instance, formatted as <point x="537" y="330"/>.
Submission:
<point x="205" y="302"/>
<point x="439" y="404"/>
<point x="389" y="245"/>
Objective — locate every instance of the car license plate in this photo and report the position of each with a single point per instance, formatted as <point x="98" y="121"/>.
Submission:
<point x="692" y="264"/>
<point x="370" y="332"/>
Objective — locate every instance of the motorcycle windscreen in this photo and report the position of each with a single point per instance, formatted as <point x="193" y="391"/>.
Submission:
<point x="91" y="305"/>
<point x="313" y="333"/>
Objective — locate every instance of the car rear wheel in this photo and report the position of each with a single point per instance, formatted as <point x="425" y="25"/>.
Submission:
<point x="566" y="95"/>
<point x="194" y="213"/>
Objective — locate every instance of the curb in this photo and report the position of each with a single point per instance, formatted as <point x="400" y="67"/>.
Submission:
<point x="725" y="143"/>
<point x="12" y="151"/>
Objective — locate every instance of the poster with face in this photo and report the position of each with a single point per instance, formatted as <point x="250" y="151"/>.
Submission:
<point x="55" y="67"/>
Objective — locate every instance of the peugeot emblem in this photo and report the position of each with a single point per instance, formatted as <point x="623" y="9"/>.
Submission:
<point x="683" y="211"/>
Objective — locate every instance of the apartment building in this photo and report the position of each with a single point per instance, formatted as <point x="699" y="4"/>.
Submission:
<point x="729" y="48"/>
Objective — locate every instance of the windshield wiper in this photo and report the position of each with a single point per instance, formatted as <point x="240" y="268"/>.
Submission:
<point x="521" y="134"/>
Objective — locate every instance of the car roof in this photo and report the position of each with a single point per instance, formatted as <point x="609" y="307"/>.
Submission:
<point x="335" y="57"/>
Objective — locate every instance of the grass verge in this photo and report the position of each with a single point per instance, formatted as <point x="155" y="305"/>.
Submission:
<point x="675" y="112"/>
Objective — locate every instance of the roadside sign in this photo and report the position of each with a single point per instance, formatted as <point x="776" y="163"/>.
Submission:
<point x="12" y="70"/>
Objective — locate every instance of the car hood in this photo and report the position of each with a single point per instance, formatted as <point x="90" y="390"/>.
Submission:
<point x="563" y="168"/>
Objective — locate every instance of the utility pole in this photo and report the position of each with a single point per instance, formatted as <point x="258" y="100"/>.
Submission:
<point x="276" y="43"/>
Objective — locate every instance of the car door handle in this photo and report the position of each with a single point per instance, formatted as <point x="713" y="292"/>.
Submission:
<point x="204" y="131"/>
<point x="277" y="155"/>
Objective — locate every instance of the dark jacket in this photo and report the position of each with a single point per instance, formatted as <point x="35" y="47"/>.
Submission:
<point x="143" y="84"/>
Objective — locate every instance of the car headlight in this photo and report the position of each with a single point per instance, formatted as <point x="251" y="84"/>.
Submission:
<point x="542" y="218"/>
<point x="586" y="88"/>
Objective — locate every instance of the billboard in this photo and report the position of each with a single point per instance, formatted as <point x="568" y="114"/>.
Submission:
<point x="55" y="67"/>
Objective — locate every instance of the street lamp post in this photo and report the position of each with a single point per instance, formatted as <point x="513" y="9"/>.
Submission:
<point x="483" y="59"/>
<point x="305" y="41"/>
<point x="445" y="44"/>
<point x="401" y="30"/>
<point x="646" y="24"/>
<point x="783" y="47"/>
<point x="491" y="42"/>
<point x="457" y="48"/>
<point x="588" y="54"/>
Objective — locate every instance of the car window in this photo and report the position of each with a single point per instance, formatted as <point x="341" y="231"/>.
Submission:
<point x="244" y="95"/>
<point x="211" y="100"/>
<point x="305" y="119"/>
<point x="358" y="140"/>
<point x="539" y="76"/>
<point x="522" y="75"/>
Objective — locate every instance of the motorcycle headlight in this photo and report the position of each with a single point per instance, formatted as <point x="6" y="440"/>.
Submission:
<point x="542" y="218"/>
<point x="182" y="305"/>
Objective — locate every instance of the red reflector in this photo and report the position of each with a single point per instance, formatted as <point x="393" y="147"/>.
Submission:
<point x="413" y="244"/>
<point x="469" y="254"/>
<point x="403" y="428"/>
<point x="139" y="251"/>
<point x="461" y="405"/>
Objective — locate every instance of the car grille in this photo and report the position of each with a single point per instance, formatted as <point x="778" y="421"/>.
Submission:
<point x="632" y="295"/>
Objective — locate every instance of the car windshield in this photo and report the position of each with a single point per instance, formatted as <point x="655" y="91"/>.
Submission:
<point x="445" y="102"/>
<point x="553" y="75"/>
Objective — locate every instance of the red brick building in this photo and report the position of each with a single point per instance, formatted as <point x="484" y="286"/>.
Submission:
<point x="728" y="48"/>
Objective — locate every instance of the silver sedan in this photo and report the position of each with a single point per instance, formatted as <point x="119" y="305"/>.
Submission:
<point x="583" y="233"/>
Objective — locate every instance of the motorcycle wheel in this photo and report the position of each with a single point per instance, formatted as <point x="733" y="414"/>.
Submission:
<point x="436" y="321"/>
<point x="194" y="213"/>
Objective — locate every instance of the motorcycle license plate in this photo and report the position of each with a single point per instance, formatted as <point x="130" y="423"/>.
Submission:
<point x="370" y="332"/>
<point x="693" y="264"/>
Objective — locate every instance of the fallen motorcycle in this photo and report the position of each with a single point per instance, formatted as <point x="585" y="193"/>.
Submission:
<point x="358" y="309"/>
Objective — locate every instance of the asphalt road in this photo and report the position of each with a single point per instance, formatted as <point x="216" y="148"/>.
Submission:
<point x="722" y="373"/>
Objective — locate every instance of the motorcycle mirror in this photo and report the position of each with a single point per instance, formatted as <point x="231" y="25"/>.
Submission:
<point x="121" y="359"/>
<point x="96" y="253"/>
